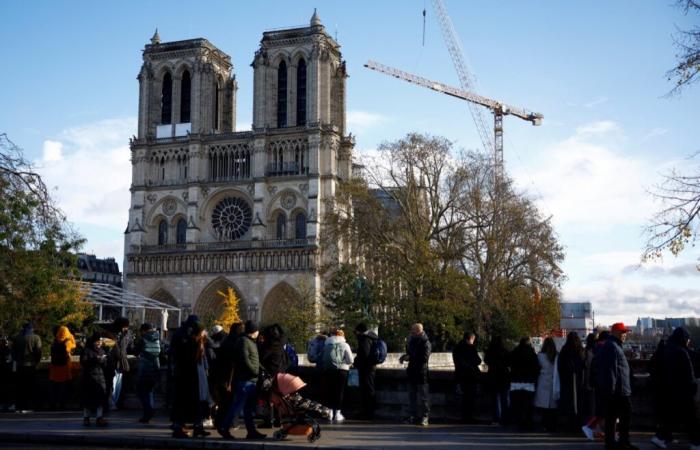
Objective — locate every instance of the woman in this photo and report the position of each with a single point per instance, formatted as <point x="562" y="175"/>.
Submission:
<point x="525" y="367"/>
<point x="184" y="349"/>
<point x="498" y="377"/>
<point x="570" y="366"/>
<point x="547" y="392"/>
<point x="337" y="357"/>
<point x="205" y="402"/>
<point x="273" y="359"/>
<point x="60" y="369"/>
<point x="93" y="385"/>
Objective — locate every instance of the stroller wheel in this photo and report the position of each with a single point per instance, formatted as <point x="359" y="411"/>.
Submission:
<point x="279" y="435"/>
<point x="313" y="437"/>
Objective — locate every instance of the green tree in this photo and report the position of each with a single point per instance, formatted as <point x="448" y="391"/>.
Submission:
<point x="37" y="252"/>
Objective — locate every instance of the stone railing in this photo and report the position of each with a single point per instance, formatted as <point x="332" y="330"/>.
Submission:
<point x="223" y="246"/>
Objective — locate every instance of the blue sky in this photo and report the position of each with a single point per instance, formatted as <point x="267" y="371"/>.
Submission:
<point x="596" y="70"/>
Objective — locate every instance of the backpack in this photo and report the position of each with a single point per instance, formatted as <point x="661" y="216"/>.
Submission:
<point x="333" y="355"/>
<point x="59" y="355"/>
<point x="292" y="357"/>
<point x="377" y="354"/>
<point x="315" y="352"/>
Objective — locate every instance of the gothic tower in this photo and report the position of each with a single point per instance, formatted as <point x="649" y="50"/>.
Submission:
<point x="213" y="208"/>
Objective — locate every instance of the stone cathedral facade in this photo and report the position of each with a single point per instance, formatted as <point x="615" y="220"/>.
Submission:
<point x="212" y="207"/>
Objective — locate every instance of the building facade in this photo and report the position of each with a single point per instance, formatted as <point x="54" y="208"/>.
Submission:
<point x="212" y="207"/>
<point x="99" y="270"/>
<point x="578" y="317"/>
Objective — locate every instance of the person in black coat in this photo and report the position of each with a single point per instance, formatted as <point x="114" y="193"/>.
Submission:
<point x="467" y="372"/>
<point x="525" y="368"/>
<point x="183" y="355"/>
<point x="570" y="366"/>
<point x="418" y="355"/>
<point x="498" y="377"/>
<point x="678" y="387"/>
<point x="225" y="357"/>
<point x="274" y="360"/>
<point x="93" y="386"/>
<point x="366" y="370"/>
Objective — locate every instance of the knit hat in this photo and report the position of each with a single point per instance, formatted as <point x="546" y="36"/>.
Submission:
<point x="250" y="327"/>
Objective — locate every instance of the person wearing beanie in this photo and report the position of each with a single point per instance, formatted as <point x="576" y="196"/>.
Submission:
<point x="245" y="375"/>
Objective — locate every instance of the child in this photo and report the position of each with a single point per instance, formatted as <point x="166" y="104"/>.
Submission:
<point x="93" y="386"/>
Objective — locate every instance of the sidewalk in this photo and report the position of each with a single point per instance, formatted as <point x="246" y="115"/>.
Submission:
<point x="65" y="428"/>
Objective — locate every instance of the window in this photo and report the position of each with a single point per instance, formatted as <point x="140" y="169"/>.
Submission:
<point x="281" y="226"/>
<point x="300" y="226"/>
<point x="185" y="97"/>
<point x="301" y="93"/>
<point x="181" y="237"/>
<point x="163" y="232"/>
<point x="282" y="95"/>
<point x="166" y="100"/>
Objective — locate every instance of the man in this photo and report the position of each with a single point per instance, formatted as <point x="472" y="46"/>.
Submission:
<point x="366" y="369"/>
<point x="148" y="369"/>
<point x="678" y="388"/>
<point x="467" y="362"/>
<point x="418" y="355"/>
<point x="615" y="389"/>
<point x="245" y="375"/>
<point x="27" y="354"/>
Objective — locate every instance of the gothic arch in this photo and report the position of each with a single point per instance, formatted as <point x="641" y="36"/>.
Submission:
<point x="156" y="213"/>
<point x="209" y="302"/>
<point x="180" y="69"/>
<point x="153" y="316"/>
<point x="299" y="54"/>
<point x="281" y="55"/>
<point x="275" y="202"/>
<point x="277" y="304"/>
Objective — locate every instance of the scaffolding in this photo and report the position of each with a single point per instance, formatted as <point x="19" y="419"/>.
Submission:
<point x="128" y="304"/>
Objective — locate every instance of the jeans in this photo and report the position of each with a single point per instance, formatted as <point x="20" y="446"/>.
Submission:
<point x="145" y="389"/>
<point x="244" y="398"/>
<point x="617" y="407"/>
<point x="418" y="394"/>
<point x="367" y="391"/>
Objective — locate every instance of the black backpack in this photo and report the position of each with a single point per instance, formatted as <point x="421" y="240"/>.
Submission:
<point x="59" y="354"/>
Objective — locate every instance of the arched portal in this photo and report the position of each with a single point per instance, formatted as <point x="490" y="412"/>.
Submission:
<point x="210" y="304"/>
<point x="280" y="305"/>
<point x="154" y="316"/>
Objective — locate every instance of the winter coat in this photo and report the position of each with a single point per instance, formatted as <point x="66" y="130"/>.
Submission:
<point x="418" y="353"/>
<point x="273" y="356"/>
<point x="570" y="368"/>
<point x="332" y="341"/>
<point x="221" y="373"/>
<point x="183" y="360"/>
<point x="27" y="349"/>
<point x="613" y="371"/>
<point x="149" y="357"/>
<point x="120" y="351"/>
<point x="363" y="358"/>
<point x="93" y="386"/>
<point x="524" y="365"/>
<point x="678" y="374"/>
<point x="498" y="375"/>
<point x="246" y="365"/>
<point x="547" y="391"/>
<point x="467" y="361"/>
<point x="588" y="383"/>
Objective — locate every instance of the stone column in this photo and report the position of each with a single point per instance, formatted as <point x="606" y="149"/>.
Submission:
<point x="259" y="158"/>
<point x="176" y="95"/>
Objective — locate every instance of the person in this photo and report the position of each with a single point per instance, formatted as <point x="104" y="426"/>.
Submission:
<point x="222" y="374"/>
<point x="467" y="361"/>
<point x="570" y="368"/>
<point x="60" y="368"/>
<point x="148" y="370"/>
<point x="593" y="428"/>
<point x="498" y="377"/>
<point x="525" y="368"/>
<point x="614" y="383"/>
<point x="217" y="386"/>
<point x="547" y="391"/>
<point x="93" y="384"/>
<point x="7" y="372"/>
<point x="588" y="391"/>
<point x="204" y="402"/>
<point x="27" y="355"/>
<point x="418" y="356"/>
<point x="185" y="377"/>
<point x="314" y="354"/>
<point x="245" y="374"/>
<point x="273" y="359"/>
<point x="678" y="387"/>
<point x="366" y="369"/>
<point x="337" y="357"/>
<point x="118" y="360"/>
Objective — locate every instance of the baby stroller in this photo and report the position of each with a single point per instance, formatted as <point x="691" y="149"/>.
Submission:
<point x="295" y="411"/>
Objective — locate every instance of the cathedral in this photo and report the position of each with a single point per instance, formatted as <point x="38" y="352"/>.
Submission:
<point x="213" y="207"/>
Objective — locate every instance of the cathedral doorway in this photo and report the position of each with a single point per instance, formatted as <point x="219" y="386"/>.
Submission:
<point x="155" y="318"/>
<point x="210" y="304"/>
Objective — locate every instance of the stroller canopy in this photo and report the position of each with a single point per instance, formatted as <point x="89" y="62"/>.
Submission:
<point x="288" y="383"/>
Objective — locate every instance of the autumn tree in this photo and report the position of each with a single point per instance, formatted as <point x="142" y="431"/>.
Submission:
<point x="229" y="308"/>
<point x="37" y="251"/>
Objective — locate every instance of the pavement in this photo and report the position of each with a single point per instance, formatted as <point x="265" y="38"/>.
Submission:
<point x="65" y="430"/>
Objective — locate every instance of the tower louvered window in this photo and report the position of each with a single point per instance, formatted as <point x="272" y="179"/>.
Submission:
<point x="166" y="100"/>
<point x="301" y="93"/>
<point x="185" y="97"/>
<point x="282" y="95"/>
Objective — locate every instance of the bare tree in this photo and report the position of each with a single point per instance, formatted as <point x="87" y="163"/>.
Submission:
<point x="687" y="43"/>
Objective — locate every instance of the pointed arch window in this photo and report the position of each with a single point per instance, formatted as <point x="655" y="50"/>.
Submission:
<point x="281" y="226"/>
<point x="282" y="95"/>
<point x="301" y="92"/>
<point x="166" y="100"/>
<point x="163" y="232"/>
<point x="185" y="97"/>
<point x="300" y="226"/>
<point x="181" y="236"/>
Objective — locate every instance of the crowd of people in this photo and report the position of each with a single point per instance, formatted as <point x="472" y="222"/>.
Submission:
<point x="215" y="377"/>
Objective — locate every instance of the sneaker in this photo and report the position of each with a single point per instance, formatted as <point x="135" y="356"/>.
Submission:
<point x="424" y="422"/>
<point x="588" y="432"/>
<point x="657" y="441"/>
<point x="339" y="417"/>
<point x="208" y="423"/>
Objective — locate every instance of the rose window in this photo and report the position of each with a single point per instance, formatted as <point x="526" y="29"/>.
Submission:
<point x="231" y="218"/>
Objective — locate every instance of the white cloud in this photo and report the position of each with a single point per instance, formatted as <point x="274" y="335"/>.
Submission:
<point x="596" y="102"/>
<point x="361" y="121"/>
<point x="90" y="170"/>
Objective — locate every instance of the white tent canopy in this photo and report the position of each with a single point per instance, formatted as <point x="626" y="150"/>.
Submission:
<point x="106" y="295"/>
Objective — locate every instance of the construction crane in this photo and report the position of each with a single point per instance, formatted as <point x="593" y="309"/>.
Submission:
<point x="499" y="109"/>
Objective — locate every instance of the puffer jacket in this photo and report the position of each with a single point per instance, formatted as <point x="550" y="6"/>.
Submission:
<point x="149" y="356"/>
<point x="347" y="352"/>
